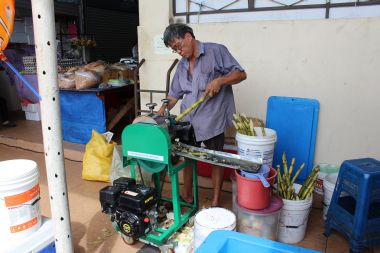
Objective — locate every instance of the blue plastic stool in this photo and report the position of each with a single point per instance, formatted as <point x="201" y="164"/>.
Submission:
<point x="355" y="205"/>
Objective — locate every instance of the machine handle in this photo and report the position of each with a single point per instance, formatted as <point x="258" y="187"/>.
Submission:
<point x="151" y="106"/>
<point x="166" y="102"/>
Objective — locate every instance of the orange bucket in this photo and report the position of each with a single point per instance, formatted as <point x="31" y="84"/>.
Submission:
<point x="251" y="193"/>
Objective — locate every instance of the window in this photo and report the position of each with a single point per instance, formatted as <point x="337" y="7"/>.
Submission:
<point x="202" y="11"/>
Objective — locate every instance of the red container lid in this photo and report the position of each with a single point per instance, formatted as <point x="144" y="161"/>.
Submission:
<point x="275" y="205"/>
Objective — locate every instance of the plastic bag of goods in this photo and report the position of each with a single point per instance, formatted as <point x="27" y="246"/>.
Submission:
<point x="66" y="80"/>
<point x="97" y="67"/>
<point x="86" y="79"/>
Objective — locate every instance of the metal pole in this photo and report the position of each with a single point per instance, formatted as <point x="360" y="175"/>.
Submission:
<point x="46" y="56"/>
<point x="81" y="17"/>
<point x="81" y="28"/>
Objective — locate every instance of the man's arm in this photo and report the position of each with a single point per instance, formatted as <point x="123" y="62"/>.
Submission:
<point x="172" y="102"/>
<point x="232" y="78"/>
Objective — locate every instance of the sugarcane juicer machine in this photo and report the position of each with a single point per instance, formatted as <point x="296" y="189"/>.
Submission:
<point x="150" y="145"/>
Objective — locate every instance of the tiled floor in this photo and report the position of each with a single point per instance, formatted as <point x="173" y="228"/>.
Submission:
<point x="91" y="230"/>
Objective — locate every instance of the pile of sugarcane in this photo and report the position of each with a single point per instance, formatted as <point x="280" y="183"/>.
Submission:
<point x="285" y="182"/>
<point x="245" y="126"/>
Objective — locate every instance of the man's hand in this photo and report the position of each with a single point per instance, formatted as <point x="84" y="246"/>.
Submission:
<point x="213" y="88"/>
<point x="172" y="102"/>
<point x="234" y="77"/>
<point x="161" y="111"/>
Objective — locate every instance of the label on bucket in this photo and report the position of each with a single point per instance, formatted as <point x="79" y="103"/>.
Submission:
<point x="23" y="209"/>
<point x="266" y="155"/>
<point x="319" y="186"/>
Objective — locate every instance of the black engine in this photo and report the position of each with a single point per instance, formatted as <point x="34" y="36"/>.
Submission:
<point x="133" y="207"/>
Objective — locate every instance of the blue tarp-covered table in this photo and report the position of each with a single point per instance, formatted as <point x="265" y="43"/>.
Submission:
<point x="84" y="110"/>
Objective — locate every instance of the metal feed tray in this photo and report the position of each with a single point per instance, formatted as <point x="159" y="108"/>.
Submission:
<point x="220" y="158"/>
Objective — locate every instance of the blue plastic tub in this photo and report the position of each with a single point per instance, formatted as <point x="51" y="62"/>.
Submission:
<point x="48" y="249"/>
<point x="223" y="241"/>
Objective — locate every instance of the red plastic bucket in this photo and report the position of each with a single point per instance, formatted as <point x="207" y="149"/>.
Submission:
<point x="251" y="193"/>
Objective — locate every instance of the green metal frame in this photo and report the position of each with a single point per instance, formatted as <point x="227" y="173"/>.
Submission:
<point x="149" y="146"/>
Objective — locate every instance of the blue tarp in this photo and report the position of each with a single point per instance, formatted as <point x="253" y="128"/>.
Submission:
<point x="81" y="112"/>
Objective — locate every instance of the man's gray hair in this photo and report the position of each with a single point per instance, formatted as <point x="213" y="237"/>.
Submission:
<point x="176" y="31"/>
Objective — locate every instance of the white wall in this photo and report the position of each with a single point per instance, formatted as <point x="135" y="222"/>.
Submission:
<point x="334" y="61"/>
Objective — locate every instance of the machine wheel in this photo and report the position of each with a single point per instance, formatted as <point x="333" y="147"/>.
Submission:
<point x="128" y="240"/>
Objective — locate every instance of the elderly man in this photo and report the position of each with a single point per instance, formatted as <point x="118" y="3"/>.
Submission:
<point x="206" y="69"/>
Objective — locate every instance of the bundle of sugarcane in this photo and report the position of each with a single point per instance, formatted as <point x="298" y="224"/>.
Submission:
<point x="285" y="182"/>
<point x="245" y="126"/>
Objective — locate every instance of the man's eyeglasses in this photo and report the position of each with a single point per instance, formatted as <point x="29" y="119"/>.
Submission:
<point x="178" y="46"/>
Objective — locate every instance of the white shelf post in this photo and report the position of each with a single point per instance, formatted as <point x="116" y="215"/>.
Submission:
<point x="46" y="56"/>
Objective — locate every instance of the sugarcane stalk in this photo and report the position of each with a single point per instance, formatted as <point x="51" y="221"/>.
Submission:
<point x="192" y="107"/>
<point x="252" y="127"/>
<point x="285" y="163"/>
<point x="278" y="178"/>
<point x="280" y="183"/>
<point x="286" y="174"/>
<point x="254" y="132"/>
<point x="308" y="190"/>
<point x="263" y="131"/>
<point x="195" y="153"/>
<point x="243" y="117"/>
<point x="291" y="166"/>
<point x="293" y="194"/>
<point x="297" y="173"/>
<point x="304" y="185"/>
<point x="248" y="128"/>
<point x="235" y="125"/>
<point x="309" y="181"/>
<point x="289" y="193"/>
<point x="284" y="189"/>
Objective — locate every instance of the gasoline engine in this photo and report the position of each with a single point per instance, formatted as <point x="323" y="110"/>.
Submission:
<point x="132" y="207"/>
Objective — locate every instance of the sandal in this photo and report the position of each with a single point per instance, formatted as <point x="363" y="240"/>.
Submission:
<point x="8" y="123"/>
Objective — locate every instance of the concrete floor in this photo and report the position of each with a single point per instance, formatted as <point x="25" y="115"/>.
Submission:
<point x="91" y="230"/>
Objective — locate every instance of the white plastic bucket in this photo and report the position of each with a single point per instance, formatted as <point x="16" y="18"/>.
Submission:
<point x="258" y="146"/>
<point x="210" y="219"/>
<point x="329" y="186"/>
<point x="326" y="169"/>
<point x="19" y="194"/>
<point x="293" y="219"/>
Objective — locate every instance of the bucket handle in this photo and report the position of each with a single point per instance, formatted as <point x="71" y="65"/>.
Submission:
<point x="289" y="226"/>
<point x="35" y="201"/>
<point x="293" y="226"/>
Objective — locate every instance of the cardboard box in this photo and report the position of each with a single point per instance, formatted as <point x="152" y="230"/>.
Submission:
<point x="32" y="112"/>
<point x="31" y="108"/>
<point x="35" y="116"/>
